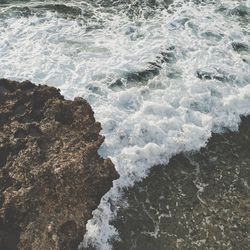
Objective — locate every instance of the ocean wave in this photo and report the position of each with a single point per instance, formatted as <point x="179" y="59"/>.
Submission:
<point x="160" y="84"/>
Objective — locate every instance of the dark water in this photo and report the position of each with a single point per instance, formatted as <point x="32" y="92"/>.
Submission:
<point x="200" y="200"/>
<point x="81" y="8"/>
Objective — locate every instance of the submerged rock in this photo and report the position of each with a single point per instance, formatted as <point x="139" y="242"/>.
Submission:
<point x="51" y="176"/>
<point x="200" y="200"/>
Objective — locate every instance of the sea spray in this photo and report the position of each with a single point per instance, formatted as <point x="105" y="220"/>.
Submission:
<point x="160" y="79"/>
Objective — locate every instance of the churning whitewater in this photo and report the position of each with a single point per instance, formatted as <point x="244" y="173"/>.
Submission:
<point x="160" y="75"/>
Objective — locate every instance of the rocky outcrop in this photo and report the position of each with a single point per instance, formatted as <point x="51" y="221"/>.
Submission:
<point x="51" y="176"/>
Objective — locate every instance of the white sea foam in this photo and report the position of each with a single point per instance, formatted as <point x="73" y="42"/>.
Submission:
<point x="145" y="123"/>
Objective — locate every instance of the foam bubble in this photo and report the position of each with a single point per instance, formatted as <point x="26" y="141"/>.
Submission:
<point x="159" y="84"/>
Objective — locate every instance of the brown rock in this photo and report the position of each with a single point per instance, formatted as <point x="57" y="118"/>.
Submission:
<point x="51" y="176"/>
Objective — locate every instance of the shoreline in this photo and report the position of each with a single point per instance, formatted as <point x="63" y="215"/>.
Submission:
<point x="51" y="176"/>
<point x="48" y="158"/>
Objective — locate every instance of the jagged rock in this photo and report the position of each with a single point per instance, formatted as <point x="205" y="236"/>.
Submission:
<point x="51" y="176"/>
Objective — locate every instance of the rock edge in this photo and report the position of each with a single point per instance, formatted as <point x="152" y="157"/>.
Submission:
<point x="51" y="176"/>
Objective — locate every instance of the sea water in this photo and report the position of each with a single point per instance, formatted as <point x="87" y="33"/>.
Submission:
<point x="160" y="75"/>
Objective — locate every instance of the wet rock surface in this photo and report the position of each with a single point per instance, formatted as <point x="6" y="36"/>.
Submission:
<point x="51" y="176"/>
<point x="200" y="200"/>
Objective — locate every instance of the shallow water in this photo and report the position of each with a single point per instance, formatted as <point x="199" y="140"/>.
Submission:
<point x="200" y="200"/>
<point x="160" y="77"/>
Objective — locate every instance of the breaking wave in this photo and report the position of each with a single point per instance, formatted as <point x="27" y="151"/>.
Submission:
<point x="160" y="76"/>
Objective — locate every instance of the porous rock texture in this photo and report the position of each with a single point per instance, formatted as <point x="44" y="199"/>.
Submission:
<point x="51" y="176"/>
